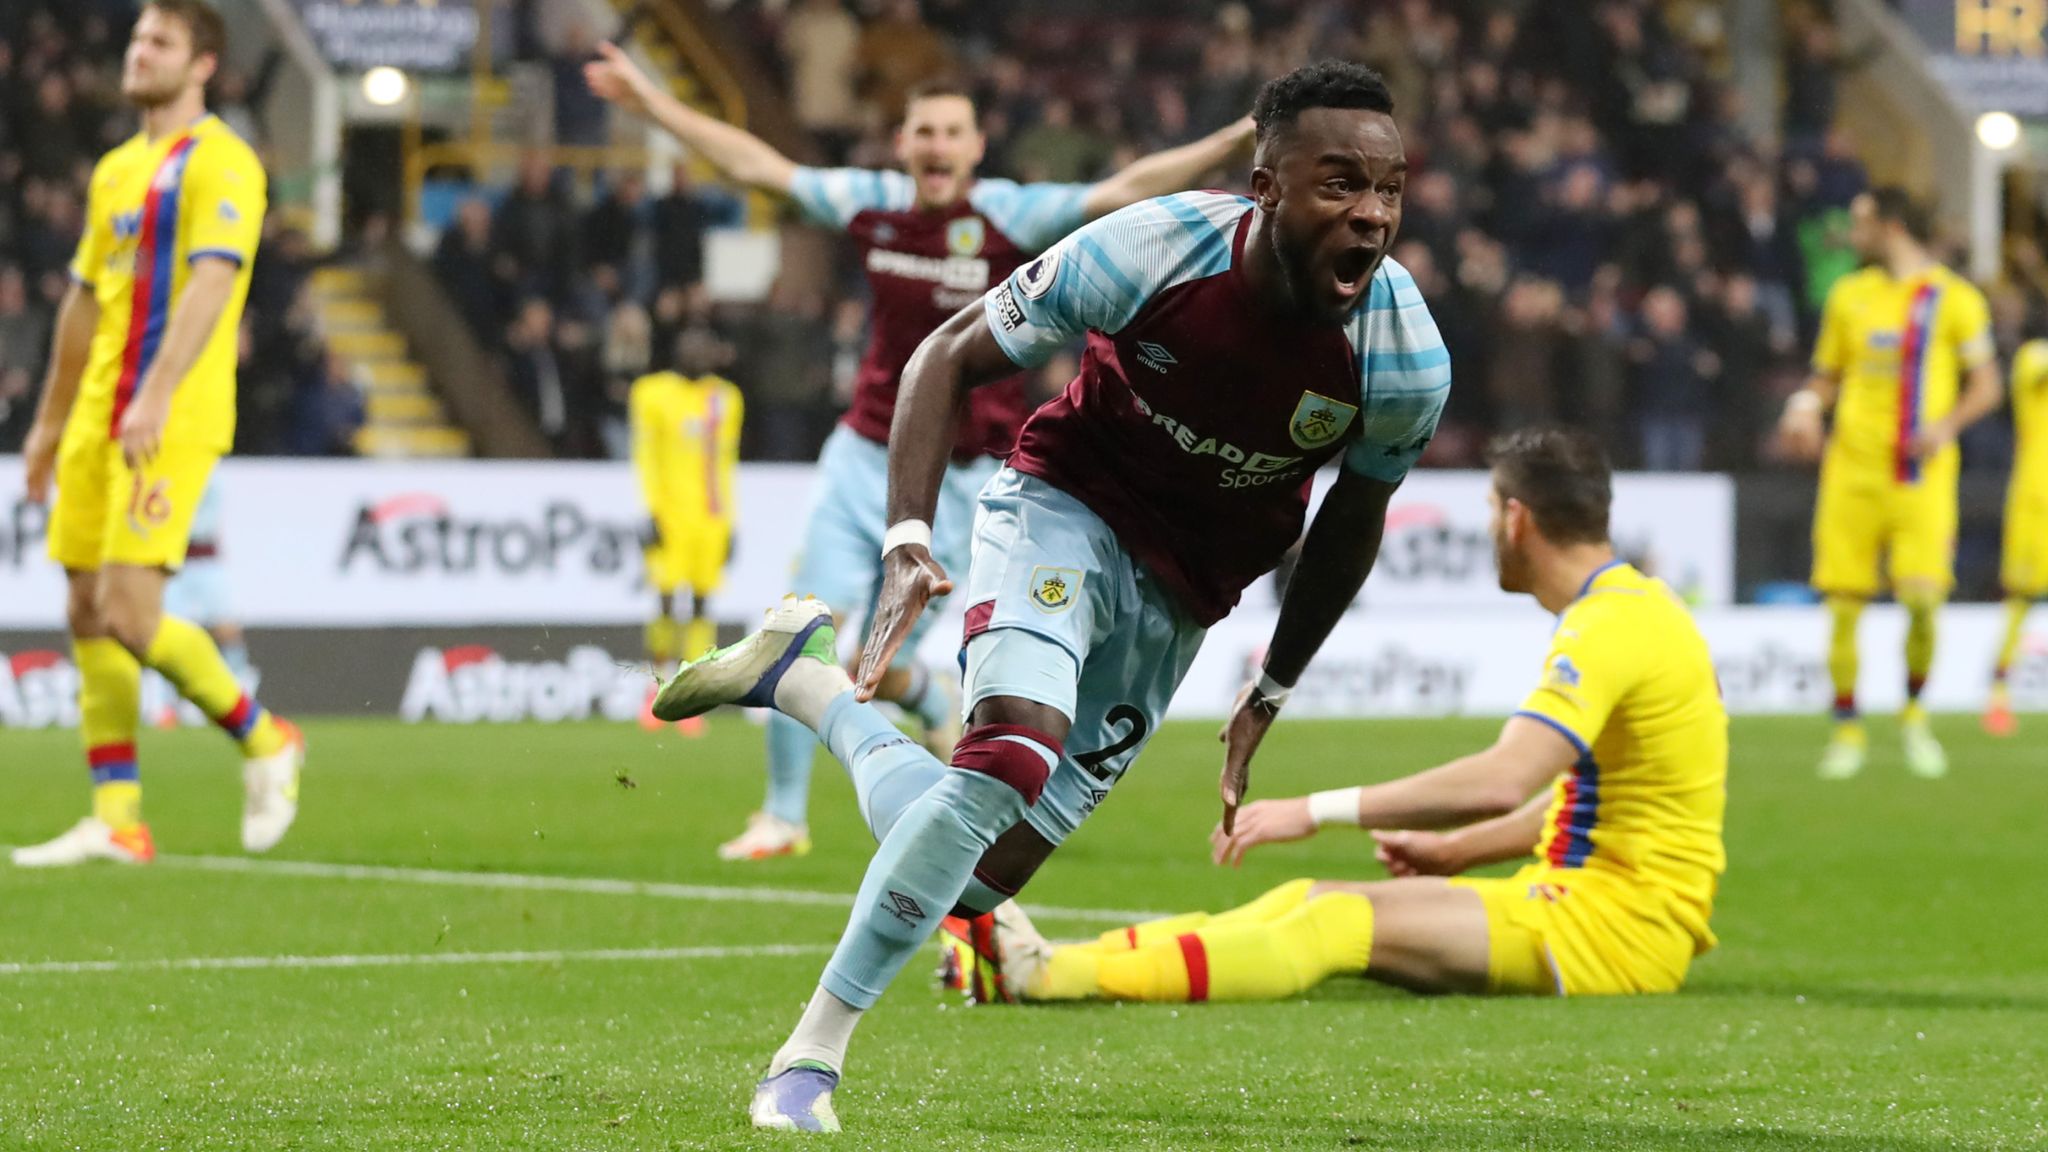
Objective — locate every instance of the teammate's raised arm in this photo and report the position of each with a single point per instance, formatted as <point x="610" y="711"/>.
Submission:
<point x="1172" y="170"/>
<point x="738" y="153"/>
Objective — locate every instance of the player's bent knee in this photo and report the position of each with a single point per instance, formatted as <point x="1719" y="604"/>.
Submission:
<point x="1019" y="755"/>
<point x="1009" y="864"/>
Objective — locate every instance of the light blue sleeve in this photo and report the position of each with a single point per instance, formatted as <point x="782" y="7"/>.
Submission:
<point x="1033" y="216"/>
<point x="834" y="196"/>
<point x="1405" y="372"/>
<point x="1099" y="277"/>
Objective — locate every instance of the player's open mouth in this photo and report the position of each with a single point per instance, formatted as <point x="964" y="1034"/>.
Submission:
<point x="1350" y="269"/>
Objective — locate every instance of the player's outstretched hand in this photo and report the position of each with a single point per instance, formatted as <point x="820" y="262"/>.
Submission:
<point x="616" y="79"/>
<point x="1417" y="854"/>
<point x="911" y="579"/>
<point x="1263" y="822"/>
<point x="1249" y="719"/>
<point x="39" y="453"/>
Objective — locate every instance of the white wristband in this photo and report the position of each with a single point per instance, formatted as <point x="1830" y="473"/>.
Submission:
<point x="1274" y="692"/>
<point x="906" y="532"/>
<point x="1337" y="806"/>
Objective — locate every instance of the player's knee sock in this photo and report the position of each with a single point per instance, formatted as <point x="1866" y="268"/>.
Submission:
<point x="1843" y="613"/>
<point x="1248" y="959"/>
<point x="791" y="747"/>
<point x="187" y="657"/>
<point x="660" y="639"/>
<point x="109" y="711"/>
<point x="889" y="770"/>
<point x="1922" y="613"/>
<point x="2009" y="647"/>
<point x="700" y="635"/>
<point x="923" y="865"/>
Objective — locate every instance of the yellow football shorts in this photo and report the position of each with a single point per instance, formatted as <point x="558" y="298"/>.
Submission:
<point x="1571" y="932"/>
<point x="1863" y="518"/>
<point x="107" y="513"/>
<point x="2024" y="571"/>
<point x="691" y="555"/>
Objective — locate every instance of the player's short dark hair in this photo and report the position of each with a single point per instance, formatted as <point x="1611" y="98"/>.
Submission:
<point x="1897" y="205"/>
<point x="200" y="18"/>
<point x="1324" y="84"/>
<point x="1560" y="475"/>
<point x="939" y="86"/>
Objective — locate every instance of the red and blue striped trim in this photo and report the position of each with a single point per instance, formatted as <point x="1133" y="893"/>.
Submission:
<point x="713" y="496"/>
<point x="1196" y="956"/>
<point x="238" y="721"/>
<point x="1913" y="377"/>
<point x="112" y="762"/>
<point x="150" y="309"/>
<point x="1572" y="842"/>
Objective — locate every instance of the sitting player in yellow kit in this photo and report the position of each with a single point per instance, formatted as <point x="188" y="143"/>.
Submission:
<point x="1896" y="341"/>
<point x="2024" y="571"/>
<point x="1623" y="744"/>
<point x="686" y="448"/>
<point x="138" y="406"/>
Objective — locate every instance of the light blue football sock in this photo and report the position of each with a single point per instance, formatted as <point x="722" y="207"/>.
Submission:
<point x="791" y="747"/>
<point x="980" y="898"/>
<point x="916" y="877"/>
<point x="889" y="769"/>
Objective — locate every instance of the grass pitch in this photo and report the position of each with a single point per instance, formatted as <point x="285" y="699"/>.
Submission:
<point x="483" y="980"/>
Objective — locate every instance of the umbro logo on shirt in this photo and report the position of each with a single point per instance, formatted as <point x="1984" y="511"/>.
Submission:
<point x="1155" y="356"/>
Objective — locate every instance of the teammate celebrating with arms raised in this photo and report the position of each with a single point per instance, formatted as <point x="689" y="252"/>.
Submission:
<point x="1233" y="348"/>
<point x="934" y="238"/>
<point x="1624" y="744"/>
<point x="139" y="406"/>
<point x="1896" y="340"/>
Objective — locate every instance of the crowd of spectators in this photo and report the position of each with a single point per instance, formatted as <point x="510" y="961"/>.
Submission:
<point x="60" y="109"/>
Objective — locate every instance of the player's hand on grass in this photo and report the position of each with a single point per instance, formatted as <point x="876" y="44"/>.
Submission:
<point x="1417" y="854"/>
<point x="617" y="80"/>
<point x="142" y="427"/>
<point x="39" y="453"/>
<point x="1262" y="822"/>
<point x="1249" y="719"/>
<point x="911" y="579"/>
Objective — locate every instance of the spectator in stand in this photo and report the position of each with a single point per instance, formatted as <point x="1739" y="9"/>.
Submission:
<point x="821" y="46"/>
<point x="1058" y="150"/>
<point x="536" y="228"/>
<point x="579" y="357"/>
<point x="899" y="51"/>
<point x="50" y="143"/>
<point x="1597" y="353"/>
<point x="475" y="274"/>
<point x="619" y="232"/>
<point x="24" y="325"/>
<point x="787" y="360"/>
<point x="581" y="119"/>
<point x="628" y="355"/>
<point x="680" y="219"/>
<point x="1735" y="329"/>
<point x="1673" y="378"/>
<point x="328" y="415"/>
<point x="1528" y="338"/>
<point x="535" y="374"/>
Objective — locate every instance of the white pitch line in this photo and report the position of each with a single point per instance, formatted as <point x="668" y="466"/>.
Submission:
<point x="406" y="959"/>
<point x="592" y="884"/>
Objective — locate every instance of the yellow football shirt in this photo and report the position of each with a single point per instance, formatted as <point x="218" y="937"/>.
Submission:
<point x="1630" y="683"/>
<point x="686" y="445"/>
<point x="2030" y="418"/>
<point x="1899" y="349"/>
<point x="153" y="209"/>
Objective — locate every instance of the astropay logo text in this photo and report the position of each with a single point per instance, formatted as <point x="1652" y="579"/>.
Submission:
<point x="417" y="532"/>
<point x="472" y="683"/>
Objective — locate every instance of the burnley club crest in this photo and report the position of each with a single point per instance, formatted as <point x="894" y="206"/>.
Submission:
<point x="1320" y="421"/>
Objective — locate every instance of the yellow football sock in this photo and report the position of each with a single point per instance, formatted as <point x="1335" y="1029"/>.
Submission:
<point x="1247" y="959"/>
<point x="1271" y="905"/>
<point x="1070" y="973"/>
<point x="109" y="711"/>
<point x="1922" y="613"/>
<point x="185" y="655"/>
<point x="1843" y="613"/>
<point x="662" y="644"/>
<point x="2015" y="627"/>
<point x="700" y="635"/>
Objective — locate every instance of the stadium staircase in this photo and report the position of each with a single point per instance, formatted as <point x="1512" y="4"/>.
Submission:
<point x="403" y="417"/>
